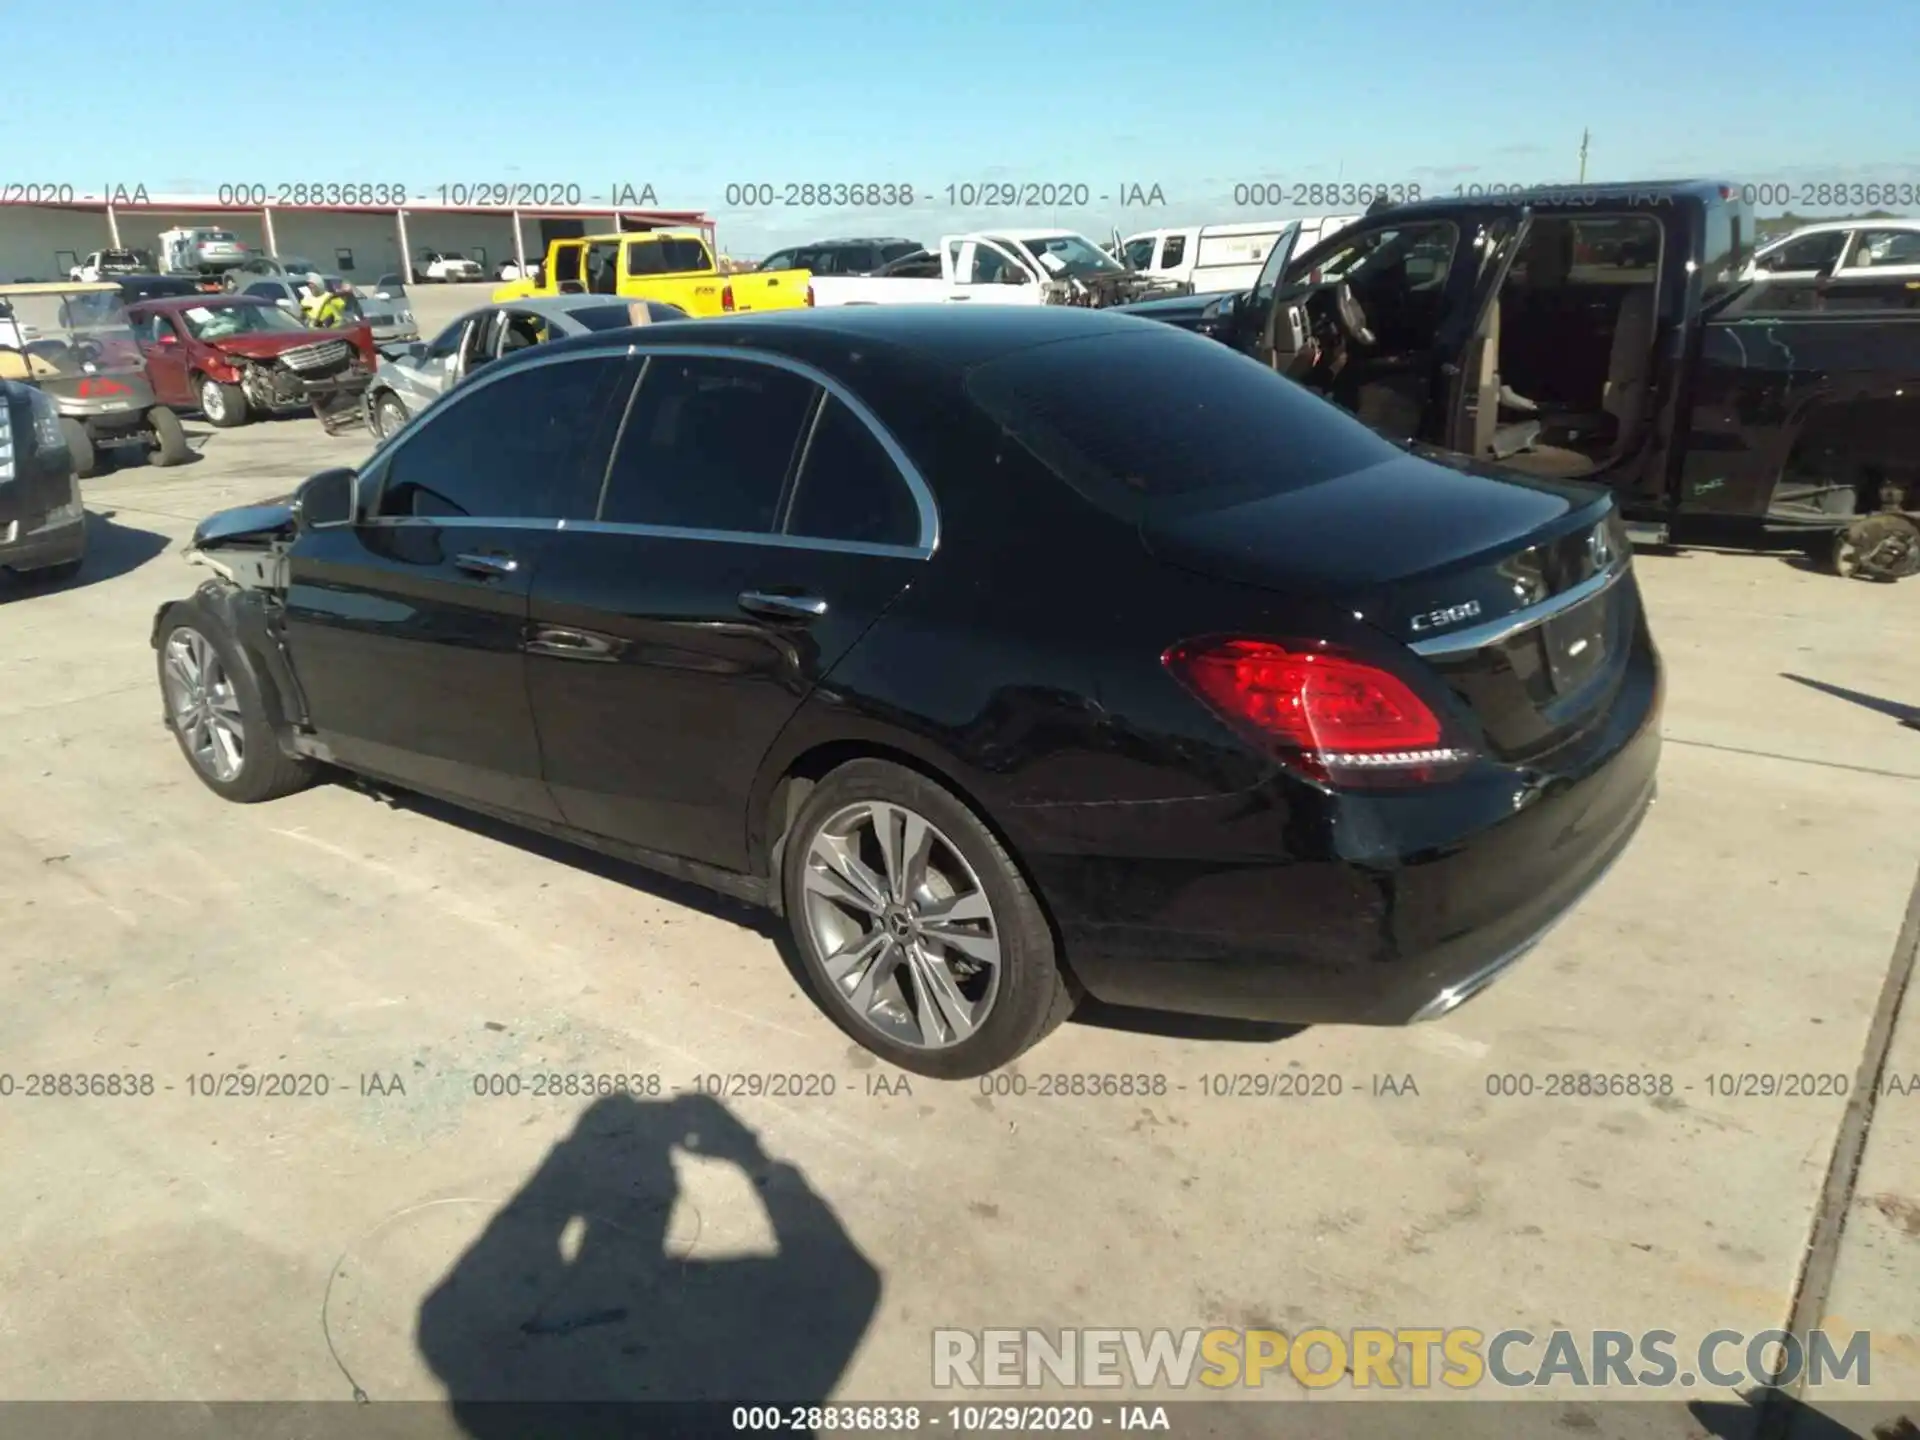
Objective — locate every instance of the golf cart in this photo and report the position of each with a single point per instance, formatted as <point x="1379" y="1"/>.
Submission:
<point x="72" y="340"/>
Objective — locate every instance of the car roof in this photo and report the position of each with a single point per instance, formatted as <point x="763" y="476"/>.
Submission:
<point x="1827" y="227"/>
<point x="953" y="338"/>
<point x="183" y="302"/>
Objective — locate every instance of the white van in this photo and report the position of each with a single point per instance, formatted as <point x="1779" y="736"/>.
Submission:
<point x="1219" y="257"/>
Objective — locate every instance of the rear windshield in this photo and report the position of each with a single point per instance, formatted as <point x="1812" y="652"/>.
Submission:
<point x="1146" y="422"/>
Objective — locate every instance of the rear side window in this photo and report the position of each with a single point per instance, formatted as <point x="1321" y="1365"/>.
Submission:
<point x="707" y="445"/>
<point x="849" y="487"/>
<point x="1143" y="421"/>
<point x="528" y="446"/>
<point x="899" y="250"/>
<point x="666" y="257"/>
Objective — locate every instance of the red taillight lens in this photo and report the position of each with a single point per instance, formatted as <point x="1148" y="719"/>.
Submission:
<point x="726" y="298"/>
<point x="809" y="294"/>
<point x="1329" y="715"/>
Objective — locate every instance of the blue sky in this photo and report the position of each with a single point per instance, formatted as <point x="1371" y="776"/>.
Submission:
<point x="1194" y="96"/>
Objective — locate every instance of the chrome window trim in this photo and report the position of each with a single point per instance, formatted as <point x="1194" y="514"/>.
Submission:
<point x="929" y="538"/>
<point x="1492" y="632"/>
<point x="653" y="532"/>
<point x="924" y="549"/>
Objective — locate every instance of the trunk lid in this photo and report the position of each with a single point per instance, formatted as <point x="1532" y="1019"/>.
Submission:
<point x="1514" y="592"/>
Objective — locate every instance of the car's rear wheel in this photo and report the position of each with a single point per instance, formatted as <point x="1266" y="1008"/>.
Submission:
<point x="80" y="446"/>
<point x="919" y="932"/>
<point x="223" y="405"/>
<point x="169" y="440"/>
<point x="217" y="716"/>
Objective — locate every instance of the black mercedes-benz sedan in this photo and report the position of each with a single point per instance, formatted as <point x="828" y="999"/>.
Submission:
<point x="1011" y="655"/>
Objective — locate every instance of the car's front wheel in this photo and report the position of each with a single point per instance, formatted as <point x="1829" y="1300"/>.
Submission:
<point x="918" y="931"/>
<point x="388" y="414"/>
<point x="223" y="405"/>
<point x="169" y="440"/>
<point x="218" y="717"/>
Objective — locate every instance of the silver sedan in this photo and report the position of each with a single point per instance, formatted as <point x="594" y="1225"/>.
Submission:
<point x="410" y="380"/>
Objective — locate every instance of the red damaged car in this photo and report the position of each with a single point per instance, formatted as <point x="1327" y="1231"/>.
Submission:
<point x="234" y="358"/>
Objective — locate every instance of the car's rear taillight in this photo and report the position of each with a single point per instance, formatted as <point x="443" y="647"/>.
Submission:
<point x="1329" y="715"/>
<point x="809" y="294"/>
<point x="726" y="298"/>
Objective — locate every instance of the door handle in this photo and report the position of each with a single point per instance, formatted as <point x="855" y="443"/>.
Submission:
<point x="570" y="644"/>
<point x="489" y="565"/>
<point x="782" y="607"/>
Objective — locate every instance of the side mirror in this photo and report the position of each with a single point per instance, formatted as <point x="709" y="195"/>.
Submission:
<point x="326" y="501"/>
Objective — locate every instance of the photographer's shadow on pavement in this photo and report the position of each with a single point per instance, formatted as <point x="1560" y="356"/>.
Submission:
<point x="574" y="1294"/>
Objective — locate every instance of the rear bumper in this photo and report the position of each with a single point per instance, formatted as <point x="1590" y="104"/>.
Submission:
<point x="1381" y="911"/>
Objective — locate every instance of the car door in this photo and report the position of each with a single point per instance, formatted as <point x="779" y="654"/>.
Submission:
<point x="756" y="521"/>
<point x="990" y="273"/>
<point x="1460" y="353"/>
<point x="407" y="629"/>
<point x="165" y="352"/>
<point x="1879" y="270"/>
<point x="479" y="346"/>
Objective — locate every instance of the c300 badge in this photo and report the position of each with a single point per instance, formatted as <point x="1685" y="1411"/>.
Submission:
<point x="1452" y="615"/>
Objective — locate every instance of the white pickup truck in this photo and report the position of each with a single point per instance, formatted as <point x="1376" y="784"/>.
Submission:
<point x="1221" y="257"/>
<point x="997" y="267"/>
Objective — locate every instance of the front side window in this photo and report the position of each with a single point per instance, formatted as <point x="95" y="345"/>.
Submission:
<point x="526" y="446"/>
<point x="1809" y="252"/>
<point x="1138" y="253"/>
<point x="707" y="445"/>
<point x="849" y="488"/>
<point x="447" y="341"/>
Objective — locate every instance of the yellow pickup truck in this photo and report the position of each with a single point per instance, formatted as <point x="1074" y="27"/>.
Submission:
<point x="660" y="265"/>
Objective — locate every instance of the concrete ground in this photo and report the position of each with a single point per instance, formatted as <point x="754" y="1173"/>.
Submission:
<point x="408" y="1234"/>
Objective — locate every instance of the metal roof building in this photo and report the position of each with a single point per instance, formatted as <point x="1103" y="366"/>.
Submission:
<point x="43" y="236"/>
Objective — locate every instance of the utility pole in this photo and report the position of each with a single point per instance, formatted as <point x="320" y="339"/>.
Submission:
<point x="1583" y="156"/>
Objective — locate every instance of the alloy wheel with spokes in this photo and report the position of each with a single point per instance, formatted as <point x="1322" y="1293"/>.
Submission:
<point x="203" y="705"/>
<point x="902" y="925"/>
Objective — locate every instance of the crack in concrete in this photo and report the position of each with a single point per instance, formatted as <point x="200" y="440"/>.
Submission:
<point x="1815" y="1285"/>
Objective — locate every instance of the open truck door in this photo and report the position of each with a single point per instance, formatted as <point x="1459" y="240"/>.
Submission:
<point x="1467" y="350"/>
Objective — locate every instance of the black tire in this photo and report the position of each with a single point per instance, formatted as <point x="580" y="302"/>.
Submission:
<point x="225" y="406"/>
<point x="170" y="441"/>
<point x="265" y="771"/>
<point x="1882" y="548"/>
<point x="80" y="445"/>
<point x="1035" y="994"/>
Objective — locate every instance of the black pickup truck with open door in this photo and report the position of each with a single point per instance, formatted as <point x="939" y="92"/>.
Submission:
<point x="1616" y="333"/>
